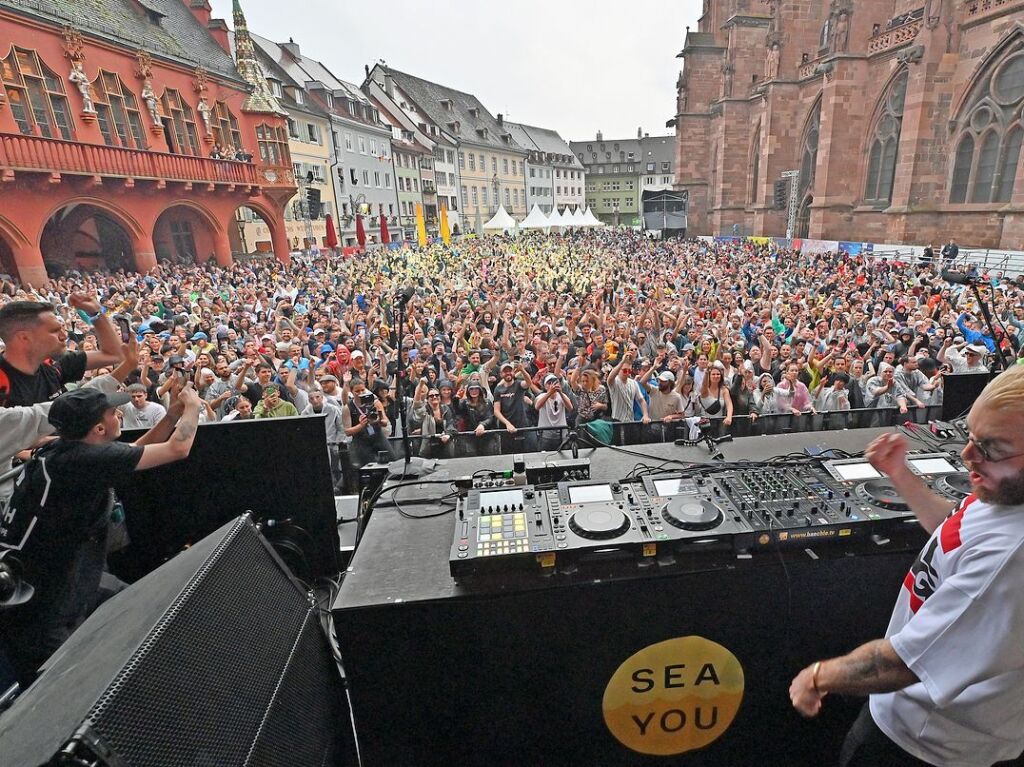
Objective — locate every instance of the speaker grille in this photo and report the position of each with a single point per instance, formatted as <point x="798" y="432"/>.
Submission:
<point x="197" y="689"/>
<point x="293" y="730"/>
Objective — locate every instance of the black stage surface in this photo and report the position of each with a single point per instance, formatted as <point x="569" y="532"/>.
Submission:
<point x="514" y="671"/>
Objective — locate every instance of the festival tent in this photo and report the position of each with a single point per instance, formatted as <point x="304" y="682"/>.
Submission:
<point x="501" y="221"/>
<point x="566" y="219"/>
<point x="589" y="219"/>
<point x="536" y="220"/>
<point x="577" y="218"/>
<point x="555" y="220"/>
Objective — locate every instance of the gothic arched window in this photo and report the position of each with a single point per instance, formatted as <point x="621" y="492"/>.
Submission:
<point x="884" y="143"/>
<point x="990" y="131"/>
<point x="809" y="150"/>
<point x="36" y="96"/>
<point x="755" y="164"/>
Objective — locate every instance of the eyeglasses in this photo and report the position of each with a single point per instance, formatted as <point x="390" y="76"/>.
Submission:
<point x="981" y="445"/>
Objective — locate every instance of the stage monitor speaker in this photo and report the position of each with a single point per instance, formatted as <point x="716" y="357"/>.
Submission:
<point x="217" y="657"/>
<point x="959" y="390"/>
<point x="277" y="468"/>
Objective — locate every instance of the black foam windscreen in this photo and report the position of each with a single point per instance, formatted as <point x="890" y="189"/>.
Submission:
<point x="217" y="657"/>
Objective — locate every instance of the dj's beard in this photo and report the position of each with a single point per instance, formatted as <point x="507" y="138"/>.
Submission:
<point x="1009" y="492"/>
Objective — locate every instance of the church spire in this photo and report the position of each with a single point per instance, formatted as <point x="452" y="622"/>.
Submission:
<point x="261" y="99"/>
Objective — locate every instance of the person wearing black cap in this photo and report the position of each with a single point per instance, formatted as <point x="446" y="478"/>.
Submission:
<point x="59" y="514"/>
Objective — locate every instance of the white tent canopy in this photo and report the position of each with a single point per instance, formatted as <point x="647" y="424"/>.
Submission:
<point x="536" y="220"/>
<point x="577" y="218"/>
<point x="566" y="218"/>
<point x="501" y="220"/>
<point x="589" y="219"/>
<point x="554" y="219"/>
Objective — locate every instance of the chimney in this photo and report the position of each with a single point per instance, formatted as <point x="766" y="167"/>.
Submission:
<point x="501" y="119"/>
<point x="292" y="47"/>
<point x="366" y="70"/>
<point x="219" y="31"/>
<point x="389" y="83"/>
<point x="640" y="132"/>
<point x="201" y="10"/>
<point x="600" y="137"/>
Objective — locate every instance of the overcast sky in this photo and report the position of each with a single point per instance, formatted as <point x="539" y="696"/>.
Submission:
<point x="576" y="66"/>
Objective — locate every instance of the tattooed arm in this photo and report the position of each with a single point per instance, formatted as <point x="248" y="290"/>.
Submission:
<point x="185" y="414"/>
<point x="873" y="667"/>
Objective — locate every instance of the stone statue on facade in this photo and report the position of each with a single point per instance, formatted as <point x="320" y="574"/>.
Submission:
<point x="204" y="113"/>
<point x="149" y="98"/>
<point x="81" y="81"/>
<point x="771" y="62"/>
<point x="841" y="36"/>
<point x="727" y="73"/>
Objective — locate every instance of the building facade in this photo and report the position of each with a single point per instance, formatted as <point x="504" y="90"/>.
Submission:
<point x="410" y="184"/>
<point x="105" y="141"/>
<point x="491" y="165"/>
<point x="902" y="118"/>
<point x="309" y="142"/>
<point x="612" y="187"/>
<point x="657" y="163"/>
<point x="403" y="112"/>
<point x="362" y="172"/>
<point x="555" y="178"/>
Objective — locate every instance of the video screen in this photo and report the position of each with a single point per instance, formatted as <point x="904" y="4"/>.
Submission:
<point x="851" y="472"/>
<point x="932" y="465"/>
<point x="667" y="487"/>
<point x="590" y="493"/>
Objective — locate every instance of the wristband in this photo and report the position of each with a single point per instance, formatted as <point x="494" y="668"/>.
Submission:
<point x="814" y="677"/>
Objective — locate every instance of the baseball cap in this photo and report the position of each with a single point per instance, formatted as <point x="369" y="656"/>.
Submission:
<point x="978" y="349"/>
<point x="175" y="359"/>
<point x="329" y="378"/>
<point x="550" y="378"/>
<point x="505" y="365"/>
<point x="667" y="375"/>
<point x="356" y="353"/>
<point x="74" y="413"/>
<point x="200" y="337"/>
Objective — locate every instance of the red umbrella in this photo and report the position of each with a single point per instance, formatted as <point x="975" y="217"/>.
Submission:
<point x="331" y="236"/>
<point x="385" y="235"/>
<point x="360" y="232"/>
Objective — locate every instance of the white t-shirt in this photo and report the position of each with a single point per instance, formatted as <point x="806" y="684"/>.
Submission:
<point x="146" y="418"/>
<point x="958" y="624"/>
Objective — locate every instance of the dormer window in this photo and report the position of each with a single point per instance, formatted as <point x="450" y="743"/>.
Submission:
<point x="275" y="87"/>
<point x="474" y="112"/>
<point x="300" y="97"/>
<point x="447" y="104"/>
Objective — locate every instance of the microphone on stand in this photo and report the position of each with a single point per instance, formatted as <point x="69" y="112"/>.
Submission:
<point x="403" y="298"/>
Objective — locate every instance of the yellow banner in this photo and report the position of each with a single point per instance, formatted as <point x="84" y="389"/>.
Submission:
<point x="446" y="235"/>
<point x="421" y="227"/>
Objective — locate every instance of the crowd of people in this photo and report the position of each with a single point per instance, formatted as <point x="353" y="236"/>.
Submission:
<point x="549" y="331"/>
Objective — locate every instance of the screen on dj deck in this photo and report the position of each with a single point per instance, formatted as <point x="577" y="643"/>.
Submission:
<point x="932" y="465"/>
<point x="667" y="487"/>
<point x="590" y="493"/>
<point x="854" y="471"/>
<point x="500" y="498"/>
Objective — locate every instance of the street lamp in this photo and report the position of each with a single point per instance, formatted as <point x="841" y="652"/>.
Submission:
<point x="497" y="192"/>
<point x="615" y="211"/>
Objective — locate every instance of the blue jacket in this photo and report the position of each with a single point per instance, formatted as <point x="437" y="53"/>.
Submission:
<point x="974" y="336"/>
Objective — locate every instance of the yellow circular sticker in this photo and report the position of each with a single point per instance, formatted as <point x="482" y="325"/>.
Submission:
<point x="674" y="696"/>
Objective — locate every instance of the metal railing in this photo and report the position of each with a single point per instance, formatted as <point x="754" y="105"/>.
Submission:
<point x="534" y="438"/>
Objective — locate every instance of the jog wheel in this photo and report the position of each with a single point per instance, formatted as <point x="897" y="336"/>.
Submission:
<point x="955" y="486"/>
<point x="693" y="515"/>
<point x="880" y="492"/>
<point x="599" y="524"/>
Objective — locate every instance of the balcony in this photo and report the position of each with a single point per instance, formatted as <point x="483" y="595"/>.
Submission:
<point x="895" y="37"/>
<point x="34" y="154"/>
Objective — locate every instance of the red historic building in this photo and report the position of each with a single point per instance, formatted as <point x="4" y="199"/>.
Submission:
<point x="904" y="118"/>
<point x="108" y="119"/>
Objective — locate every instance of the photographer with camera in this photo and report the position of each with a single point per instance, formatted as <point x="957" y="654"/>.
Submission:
<point x="368" y="427"/>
